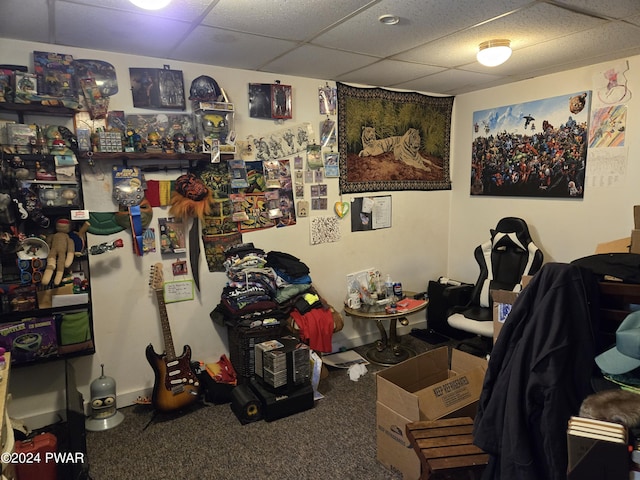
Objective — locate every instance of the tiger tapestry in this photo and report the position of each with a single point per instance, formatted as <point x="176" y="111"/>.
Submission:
<point x="392" y="140"/>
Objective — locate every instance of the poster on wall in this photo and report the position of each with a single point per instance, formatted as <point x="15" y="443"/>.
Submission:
<point x="532" y="149"/>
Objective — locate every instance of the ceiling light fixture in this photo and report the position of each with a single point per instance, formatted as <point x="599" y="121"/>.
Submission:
<point x="494" y="52"/>
<point x="151" y="4"/>
<point x="389" y="19"/>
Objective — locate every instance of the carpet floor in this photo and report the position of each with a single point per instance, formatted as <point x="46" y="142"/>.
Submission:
<point x="336" y="439"/>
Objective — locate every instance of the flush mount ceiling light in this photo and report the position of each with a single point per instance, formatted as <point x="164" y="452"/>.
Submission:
<point x="494" y="52"/>
<point x="388" y="19"/>
<point x="151" y="4"/>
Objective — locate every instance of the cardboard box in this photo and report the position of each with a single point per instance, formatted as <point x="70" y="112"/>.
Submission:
<point x="502" y="302"/>
<point x="620" y="245"/>
<point x="30" y="339"/>
<point x="424" y="387"/>
<point x="635" y="241"/>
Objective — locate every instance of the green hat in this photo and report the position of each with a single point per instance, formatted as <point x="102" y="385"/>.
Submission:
<point x="625" y="356"/>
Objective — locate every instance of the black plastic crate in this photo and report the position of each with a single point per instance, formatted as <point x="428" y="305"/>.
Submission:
<point x="242" y="341"/>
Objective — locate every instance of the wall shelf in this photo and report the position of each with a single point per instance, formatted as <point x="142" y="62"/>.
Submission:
<point x="126" y="156"/>
<point x="22" y="109"/>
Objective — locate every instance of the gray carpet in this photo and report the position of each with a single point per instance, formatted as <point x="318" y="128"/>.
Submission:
<point x="334" y="440"/>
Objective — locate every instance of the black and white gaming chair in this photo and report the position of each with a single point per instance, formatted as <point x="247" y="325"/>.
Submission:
<point x="504" y="259"/>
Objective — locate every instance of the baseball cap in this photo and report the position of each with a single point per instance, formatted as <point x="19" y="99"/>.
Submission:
<point x="625" y="356"/>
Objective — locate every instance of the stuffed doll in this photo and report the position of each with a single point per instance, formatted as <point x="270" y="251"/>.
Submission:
<point x="61" y="252"/>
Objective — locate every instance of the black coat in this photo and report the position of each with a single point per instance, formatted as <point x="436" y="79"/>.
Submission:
<point x="538" y="374"/>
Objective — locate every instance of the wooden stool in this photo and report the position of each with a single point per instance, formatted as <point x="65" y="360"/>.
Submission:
<point x="445" y="447"/>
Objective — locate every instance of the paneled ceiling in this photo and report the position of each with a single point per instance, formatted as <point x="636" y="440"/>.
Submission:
<point x="431" y="49"/>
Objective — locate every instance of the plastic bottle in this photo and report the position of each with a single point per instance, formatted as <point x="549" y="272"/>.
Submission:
<point x="388" y="286"/>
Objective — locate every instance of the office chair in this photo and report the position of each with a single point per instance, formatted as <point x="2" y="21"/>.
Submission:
<point x="503" y="260"/>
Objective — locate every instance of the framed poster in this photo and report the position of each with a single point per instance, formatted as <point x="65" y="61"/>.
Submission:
<point x="157" y="88"/>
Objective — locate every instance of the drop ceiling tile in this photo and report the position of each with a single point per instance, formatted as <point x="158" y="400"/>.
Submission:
<point x="16" y="14"/>
<point x="527" y="27"/>
<point x="388" y="73"/>
<point x="557" y="55"/>
<point x="617" y="9"/>
<point x="420" y="22"/>
<point x="292" y="20"/>
<point x="449" y="82"/>
<point x="126" y="32"/>
<point x="213" y="46"/>
<point x="317" y="62"/>
<point x="187" y="10"/>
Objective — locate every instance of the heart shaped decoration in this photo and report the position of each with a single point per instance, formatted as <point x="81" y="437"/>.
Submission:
<point x="341" y="208"/>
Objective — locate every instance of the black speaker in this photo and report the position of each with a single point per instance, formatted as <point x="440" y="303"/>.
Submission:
<point x="278" y="405"/>
<point x="245" y="405"/>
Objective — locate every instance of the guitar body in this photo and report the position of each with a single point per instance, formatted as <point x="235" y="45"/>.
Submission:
<point x="175" y="385"/>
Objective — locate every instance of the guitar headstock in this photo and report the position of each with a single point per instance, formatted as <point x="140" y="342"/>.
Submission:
<point x="156" y="279"/>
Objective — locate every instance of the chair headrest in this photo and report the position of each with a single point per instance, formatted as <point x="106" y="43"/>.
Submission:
<point x="511" y="230"/>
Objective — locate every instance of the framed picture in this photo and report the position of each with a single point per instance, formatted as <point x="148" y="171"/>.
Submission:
<point x="157" y="88"/>
<point x="260" y="100"/>
<point x="268" y="100"/>
<point x="280" y="101"/>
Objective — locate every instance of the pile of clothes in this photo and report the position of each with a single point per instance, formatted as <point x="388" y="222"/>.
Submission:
<point x="274" y="288"/>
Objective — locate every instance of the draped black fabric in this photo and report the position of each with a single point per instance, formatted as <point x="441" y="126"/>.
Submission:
<point x="538" y="374"/>
<point x="624" y="266"/>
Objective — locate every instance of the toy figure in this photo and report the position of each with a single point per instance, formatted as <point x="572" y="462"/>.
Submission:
<point x="55" y="142"/>
<point x="178" y="142"/>
<point x="61" y="252"/>
<point x="191" y="145"/>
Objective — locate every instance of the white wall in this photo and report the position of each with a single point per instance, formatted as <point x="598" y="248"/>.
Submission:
<point x="126" y="320"/>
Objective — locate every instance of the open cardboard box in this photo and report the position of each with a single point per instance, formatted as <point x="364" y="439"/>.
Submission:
<point x="424" y="387"/>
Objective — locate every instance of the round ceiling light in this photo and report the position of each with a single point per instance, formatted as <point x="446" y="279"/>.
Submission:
<point x="389" y="19"/>
<point x="151" y="4"/>
<point x="494" y="52"/>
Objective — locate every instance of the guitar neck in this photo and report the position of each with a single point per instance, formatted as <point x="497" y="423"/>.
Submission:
<point x="166" y="329"/>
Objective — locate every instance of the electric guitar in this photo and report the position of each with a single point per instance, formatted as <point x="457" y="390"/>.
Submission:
<point x="175" y="385"/>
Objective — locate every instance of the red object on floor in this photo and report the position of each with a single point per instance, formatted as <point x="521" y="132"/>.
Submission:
<point x="33" y="462"/>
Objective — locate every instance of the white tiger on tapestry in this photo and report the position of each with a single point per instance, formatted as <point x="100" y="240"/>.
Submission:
<point x="405" y="148"/>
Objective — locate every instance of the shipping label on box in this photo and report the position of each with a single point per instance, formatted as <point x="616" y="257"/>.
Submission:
<point x="30" y="339"/>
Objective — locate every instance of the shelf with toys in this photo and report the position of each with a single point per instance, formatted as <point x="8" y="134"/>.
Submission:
<point x="45" y="302"/>
<point x="22" y="109"/>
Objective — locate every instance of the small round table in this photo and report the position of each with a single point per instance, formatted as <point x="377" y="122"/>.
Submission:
<point x="388" y="350"/>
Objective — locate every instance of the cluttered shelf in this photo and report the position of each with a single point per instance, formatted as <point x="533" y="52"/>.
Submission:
<point x="148" y="156"/>
<point x="36" y="109"/>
